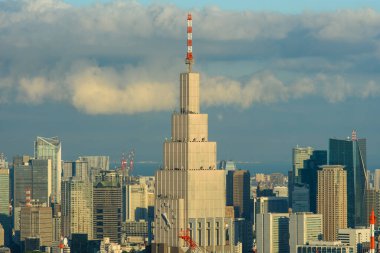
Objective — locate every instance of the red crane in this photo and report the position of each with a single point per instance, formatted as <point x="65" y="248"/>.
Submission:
<point x="185" y="235"/>
<point x="127" y="163"/>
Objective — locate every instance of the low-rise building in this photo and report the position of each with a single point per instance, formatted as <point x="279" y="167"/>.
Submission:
<point x="325" y="247"/>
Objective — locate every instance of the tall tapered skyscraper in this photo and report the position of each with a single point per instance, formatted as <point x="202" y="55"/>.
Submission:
<point x="190" y="191"/>
<point x="351" y="153"/>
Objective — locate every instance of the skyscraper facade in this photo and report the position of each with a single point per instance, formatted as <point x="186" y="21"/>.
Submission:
<point x="3" y="161"/>
<point x="351" y="153"/>
<point x="50" y="148"/>
<point x="107" y="211"/>
<point x="41" y="180"/>
<point x="373" y="202"/>
<point x="300" y="154"/>
<point x="78" y="169"/>
<point x="36" y="176"/>
<point x="332" y="200"/>
<point x="355" y="237"/>
<point x="22" y="179"/>
<point x="5" y="219"/>
<point x="238" y="193"/>
<point x="272" y="233"/>
<point x="101" y="162"/>
<point x="36" y="221"/>
<point x="238" y="196"/>
<point x="301" y="198"/>
<point x="190" y="191"/>
<point x="136" y="195"/>
<point x="304" y="228"/>
<point x="76" y="208"/>
<point x="376" y="179"/>
<point x="270" y="205"/>
<point x="309" y="175"/>
<point x="4" y="191"/>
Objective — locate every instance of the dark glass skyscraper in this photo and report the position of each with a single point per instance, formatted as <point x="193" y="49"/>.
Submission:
<point x="351" y="153"/>
<point x="309" y="175"/>
<point x="238" y="193"/>
<point x="107" y="201"/>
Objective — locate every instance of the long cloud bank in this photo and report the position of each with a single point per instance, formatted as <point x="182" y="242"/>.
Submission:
<point x="124" y="57"/>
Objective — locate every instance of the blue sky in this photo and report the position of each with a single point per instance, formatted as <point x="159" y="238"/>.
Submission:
<point x="290" y="6"/>
<point x="104" y="77"/>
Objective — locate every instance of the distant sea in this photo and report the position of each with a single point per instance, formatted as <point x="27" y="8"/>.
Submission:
<point x="149" y="168"/>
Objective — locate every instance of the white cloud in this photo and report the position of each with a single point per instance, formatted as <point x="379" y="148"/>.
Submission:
<point x="131" y="54"/>
<point x="98" y="90"/>
<point x="37" y="89"/>
<point x="371" y="89"/>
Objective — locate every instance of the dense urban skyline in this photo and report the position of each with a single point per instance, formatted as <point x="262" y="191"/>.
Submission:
<point x="271" y="80"/>
<point x="277" y="85"/>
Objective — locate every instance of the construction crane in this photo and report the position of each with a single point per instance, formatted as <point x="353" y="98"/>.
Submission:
<point x="127" y="163"/>
<point x="185" y="235"/>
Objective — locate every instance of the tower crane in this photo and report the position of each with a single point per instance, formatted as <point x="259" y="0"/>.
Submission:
<point x="127" y="163"/>
<point x="185" y="235"/>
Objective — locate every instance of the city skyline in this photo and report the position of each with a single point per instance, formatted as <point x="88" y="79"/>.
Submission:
<point x="279" y="75"/>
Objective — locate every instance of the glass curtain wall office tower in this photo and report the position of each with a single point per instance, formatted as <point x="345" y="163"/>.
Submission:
<point x="50" y="148"/>
<point x="351" y="153"/>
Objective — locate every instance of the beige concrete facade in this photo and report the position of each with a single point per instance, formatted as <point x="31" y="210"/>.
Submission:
<point x="77" y="210"/>
<point x="304" y="228"/>
<point x="332" y="200"/>
<point x="272" y="233"/>
<point x="190" y="192"/>
<point x="37" y="222"/>
<point x="2" y="241"/>
<point x="354" y="236"/>
<point x="137" y="206"/>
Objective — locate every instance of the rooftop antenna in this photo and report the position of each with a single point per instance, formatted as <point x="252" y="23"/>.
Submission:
<point x="353" y="136"/>
<point x="189" y="55"/>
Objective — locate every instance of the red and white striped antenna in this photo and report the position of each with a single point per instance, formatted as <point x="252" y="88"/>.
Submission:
<point x="189" y="55"/>
<point x="353" y="136"/>
<point x="372" y="221"/>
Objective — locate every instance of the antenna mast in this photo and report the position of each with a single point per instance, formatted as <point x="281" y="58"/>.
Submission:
<point x="189" y="55"/>
<point x="353" y="136"/>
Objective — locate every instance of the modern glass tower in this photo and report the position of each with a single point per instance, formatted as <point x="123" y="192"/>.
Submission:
<point x="34" y="175"/>
<point x="50" y="148"/>
<point x="309" y="175"/>
<point x="351" y="153"/>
